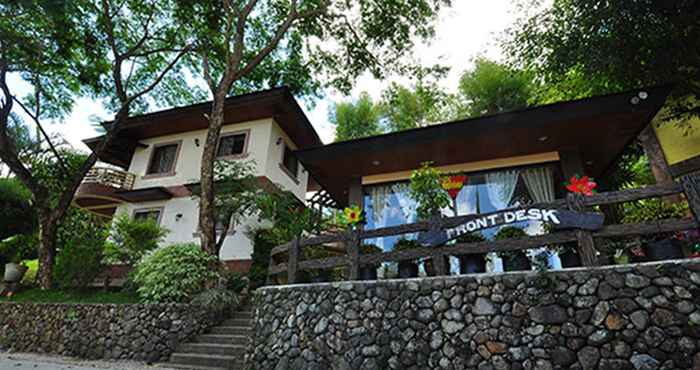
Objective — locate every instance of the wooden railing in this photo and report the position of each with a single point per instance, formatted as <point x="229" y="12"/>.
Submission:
<point x="110" y="177"/>
<point x="689" y="185"/>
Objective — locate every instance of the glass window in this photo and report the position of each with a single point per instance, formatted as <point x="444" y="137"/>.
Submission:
<point x="147" y="214"/>
<point x="231" y="145"/>
<point x="163" y="159"/>
<point x="289" y="161"/>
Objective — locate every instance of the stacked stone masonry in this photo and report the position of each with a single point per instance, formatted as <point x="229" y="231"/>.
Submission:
<point x="629" y="317"/>
<point x="101" y="331"/>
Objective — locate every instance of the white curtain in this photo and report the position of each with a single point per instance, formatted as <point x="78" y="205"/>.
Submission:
<point x="540" y="184"/>
<point x="467" y="200"/>
<point x="407" y="206"/>
<point x="379" y="196"/>
<point x="500" y="187"/>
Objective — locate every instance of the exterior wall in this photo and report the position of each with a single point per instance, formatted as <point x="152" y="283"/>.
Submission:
<point x="677" y="144"/>
<point x="102" y="331"/>
<point x="276" y="174"/>
<point x="623" y="317"/>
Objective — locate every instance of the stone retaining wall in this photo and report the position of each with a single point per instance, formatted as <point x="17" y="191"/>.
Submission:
<point x="101" y="331"/>
<point x="633" y="317"/>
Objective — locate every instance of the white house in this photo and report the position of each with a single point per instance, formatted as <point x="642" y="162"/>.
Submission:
<point x="160" y="156"/>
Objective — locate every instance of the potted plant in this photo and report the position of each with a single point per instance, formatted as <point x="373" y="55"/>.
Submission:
<point x="513" y="260"/>
<point x="660" y="246"/>
<point x="472" y="263"/>
<point x="16" y="249"/>
<point x="407" y="269"/>
<point x="369" y="272"/>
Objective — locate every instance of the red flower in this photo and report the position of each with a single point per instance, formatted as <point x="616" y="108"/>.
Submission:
<point x="584" y="185"/>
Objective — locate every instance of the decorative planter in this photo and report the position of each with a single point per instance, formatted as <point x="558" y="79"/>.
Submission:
<point x="408" y="270"/>
<point x="569" y="258"/>
<point x="430" y="266"/>
<point x="472" y="263"/>
<point x="516" y="262"/>
<point x="368" y="273"/>
<point x="14" y="272"/>
<point x="666" y="249"/>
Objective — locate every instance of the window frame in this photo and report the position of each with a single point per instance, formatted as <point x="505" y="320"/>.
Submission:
<point x="293" y="176"/>
<point x="160" y="211"/>
<point x="172" y="171"/>
<point x="246" y="142"/>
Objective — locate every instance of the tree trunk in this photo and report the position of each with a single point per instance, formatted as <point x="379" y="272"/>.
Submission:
<point x="657" y="160"/>
<point x="207" y="213"/>
<point x="47" y="250"/>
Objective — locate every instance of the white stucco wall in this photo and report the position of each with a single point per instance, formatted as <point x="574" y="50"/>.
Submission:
<point x="262" y="148"/>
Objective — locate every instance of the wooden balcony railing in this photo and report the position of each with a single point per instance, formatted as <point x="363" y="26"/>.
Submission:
<point x="352" y="260"/>
<point x="110" y="177"/>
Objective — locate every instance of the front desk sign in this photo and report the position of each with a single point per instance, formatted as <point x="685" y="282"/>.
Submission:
<point x="561" y="219"/>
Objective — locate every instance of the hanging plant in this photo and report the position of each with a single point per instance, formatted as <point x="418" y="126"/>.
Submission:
<point x="453" y="184"/>
<point x="352" y="216"/>
<point x="583" y="185"/>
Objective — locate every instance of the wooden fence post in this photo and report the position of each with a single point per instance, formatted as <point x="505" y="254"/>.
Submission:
<point x="441" y="266"/>
<point x="586" y="244"/>
<point x="352" y="246"/>
<point x="691" y="188"/>
<point x="293" y="263"/>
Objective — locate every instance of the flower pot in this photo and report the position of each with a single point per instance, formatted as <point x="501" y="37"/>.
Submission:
<point x="569" y="258"/>
<point x="368" y="273"/>
<point x="665" y="249"/>
<point x="408" y="270"/>
<point x="472" y="263"/>
<point x="430" y="266"/>
<point x="14" y="272"/>
<point x="516" y="262"/>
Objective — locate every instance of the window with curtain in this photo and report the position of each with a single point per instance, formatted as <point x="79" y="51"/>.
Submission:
<point x="148" y="214"/>
<point x="290" y="162"/>
<point x="163" y="159"/>
<point x="231" y="145"/>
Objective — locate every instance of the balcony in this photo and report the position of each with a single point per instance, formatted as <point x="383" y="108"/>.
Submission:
<point x="99" y="190"/>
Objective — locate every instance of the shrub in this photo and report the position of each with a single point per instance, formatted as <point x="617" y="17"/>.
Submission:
<point x="406" y="244"/>
<point x="217" y="299"/>
<point x="81" y="238"/>
<point x="263" y="242"/>
<point x="18" y="215"/>
<point x="370" y="249"/>
<point x="510" y="232"/>
<point x="652" y="210"/>
<point x="131" y="239"/>
<point x="19" y="248"/>
<point x="474" y="237"/>
<point x="236" y="282"/>
<point x="174" y="273"/>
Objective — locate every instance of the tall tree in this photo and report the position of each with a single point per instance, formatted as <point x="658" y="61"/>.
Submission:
<point x="420" y="104"/>
<point x="491" y="88"/>
<point x="64" y="49"/>
<point x="257" y="43"/>
<point x="357" y="119"/>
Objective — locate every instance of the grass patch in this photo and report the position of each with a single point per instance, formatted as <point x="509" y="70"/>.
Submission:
<point x="37" y="295"/>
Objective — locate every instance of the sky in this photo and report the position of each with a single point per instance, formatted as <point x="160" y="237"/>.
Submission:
<point x="466" y="30"/>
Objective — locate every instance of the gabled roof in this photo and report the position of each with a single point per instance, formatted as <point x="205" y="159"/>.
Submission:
<point x="599" y="128"/>
<point x="277" y="103"/>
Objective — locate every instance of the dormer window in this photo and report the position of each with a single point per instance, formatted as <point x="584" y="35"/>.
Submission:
<point x="163" y="159"/>
<point x="289" y="162"/>
<point x="232" y="145"/>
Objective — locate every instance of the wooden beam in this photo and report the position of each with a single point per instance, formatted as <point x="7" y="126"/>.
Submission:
<point x="691" y="187"/>
<point x="571" y="163"/>
<point x="293" y="263"/>
<point x="586" y="244"/>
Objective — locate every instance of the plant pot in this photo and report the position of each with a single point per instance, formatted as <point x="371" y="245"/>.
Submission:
<point x="665" y="249"/>
<point x="472" y="263"/>
<point x="408" y="270"/>
<point x="430" y="266"/>
<point x="14" y="272"/>
<point x="368" y="273"/>
<point x="569" y="258"/>
<point x="516" y="262"/>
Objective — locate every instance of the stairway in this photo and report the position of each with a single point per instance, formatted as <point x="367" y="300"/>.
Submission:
<point x="223" y="347"/>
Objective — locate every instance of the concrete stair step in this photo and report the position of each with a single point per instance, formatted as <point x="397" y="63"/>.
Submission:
<point x="195" y="359"/>
<point x="213" y="349"/>
<point x="238" y="322"/>
<point x="192" y="367"/>
<point x="232" y="330"/>
<point x="222" y="339"/>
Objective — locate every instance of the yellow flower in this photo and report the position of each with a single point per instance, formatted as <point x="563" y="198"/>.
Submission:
<point x="353" y="215"/>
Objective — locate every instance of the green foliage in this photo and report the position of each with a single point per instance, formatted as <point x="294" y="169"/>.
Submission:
<point x="370" y="249"/>
<point x="473" y="237"/>
<point x="491" y="88"/>
<point x="263" y="242"/>
<point x="18" y="248"/>
<point x="29" y="278"/>
<point x="426" y="189"/>
<point x="610" y="46"/>
<point x="357" y="119"/>
<point x="131" y="239"/>
<point x="219" y="300"/>
<point x="80" y="250"/>
<point x="37" y="295"/>
<point x="236" y="282"/>
<point x="288" y="214"/>
<point x="174" y="273"/>
<point x="652" y="210"/>
<point x="510" y="232"/>
<point x="18" y="215"/>
<point x="406" y="244"/>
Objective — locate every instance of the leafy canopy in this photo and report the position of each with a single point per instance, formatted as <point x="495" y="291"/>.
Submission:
<point x="131" y="239"/>
<point x="491" y="88"/>
<point x="357" y="119"/>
